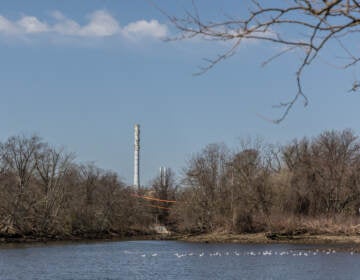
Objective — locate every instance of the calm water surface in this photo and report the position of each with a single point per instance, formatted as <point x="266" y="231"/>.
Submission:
<point x="175" y="260"/>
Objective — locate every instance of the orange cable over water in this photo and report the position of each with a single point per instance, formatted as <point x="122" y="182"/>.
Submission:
<point x="153" y="198"/>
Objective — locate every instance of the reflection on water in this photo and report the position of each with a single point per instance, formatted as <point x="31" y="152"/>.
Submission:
<point x="175" y="260"/>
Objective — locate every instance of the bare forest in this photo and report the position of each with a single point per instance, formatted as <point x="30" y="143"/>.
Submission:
<point x="309" y="185"/>
<point x="43" y="193"/>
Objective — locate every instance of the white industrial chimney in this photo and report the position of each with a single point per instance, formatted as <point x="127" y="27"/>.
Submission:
<point x="137" y="156"/>
<point x="163" y="175"/>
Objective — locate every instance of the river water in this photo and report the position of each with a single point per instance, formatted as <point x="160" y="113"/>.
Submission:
<point x="175" y="260"/>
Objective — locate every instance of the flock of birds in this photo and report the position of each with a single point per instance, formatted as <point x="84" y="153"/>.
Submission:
<point x="293" y="253"/>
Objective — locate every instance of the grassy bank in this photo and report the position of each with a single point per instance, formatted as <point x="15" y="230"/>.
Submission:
<point x="346" y="242"/>
<point x="266" y="238"/>
<point x="89" y="236"/>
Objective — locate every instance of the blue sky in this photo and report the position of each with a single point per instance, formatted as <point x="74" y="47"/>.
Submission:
<point x="82" y="73"/>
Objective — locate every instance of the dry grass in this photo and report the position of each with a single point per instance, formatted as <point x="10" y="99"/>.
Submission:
<point x="262" y="238"/>
<point x="292" y="229"/>
<point x="334" y="225"/>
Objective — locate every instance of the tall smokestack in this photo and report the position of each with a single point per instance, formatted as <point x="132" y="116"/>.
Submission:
<point x="163" y="175"/>
<point x="137" y="156"/>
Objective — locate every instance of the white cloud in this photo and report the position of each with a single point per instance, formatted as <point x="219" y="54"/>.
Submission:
<point x="143" y="28"/>
<point x="67" y="27"/>
<point x="58" y="15"/>
<point x="7" y="26"/>
<point x="30" y="24"/>
<point x="100" y="24"/>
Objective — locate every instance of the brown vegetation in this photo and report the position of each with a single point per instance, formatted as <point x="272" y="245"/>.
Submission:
<point x="307" y="187"/>
<point x="43" y="193"/>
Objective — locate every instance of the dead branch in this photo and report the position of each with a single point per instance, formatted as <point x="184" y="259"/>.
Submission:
<point x="320" y="21"/>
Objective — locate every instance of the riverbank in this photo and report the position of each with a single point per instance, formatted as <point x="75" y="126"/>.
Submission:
<point x="272" y="238"/>
<point x="102" y="236"/>
<point x="253" y="238"/>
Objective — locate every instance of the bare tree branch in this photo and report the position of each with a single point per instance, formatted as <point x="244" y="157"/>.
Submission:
<point x="318" y="21"/>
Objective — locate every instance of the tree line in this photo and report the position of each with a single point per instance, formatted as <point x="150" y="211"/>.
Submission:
<point x="309" y="184"/>
<point x="43" y="192"/>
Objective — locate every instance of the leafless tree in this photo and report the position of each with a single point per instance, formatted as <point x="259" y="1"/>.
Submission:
<point x="52" y="167"/>
<point x="164" y="188"/>
<point x="17" y="158"/>
<point x="227" y="191"/>
<point x="324" y="174"/>
<point x="251" y="189"/>
<point x="307" y="26"/>
<point x="206" y="177"/>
